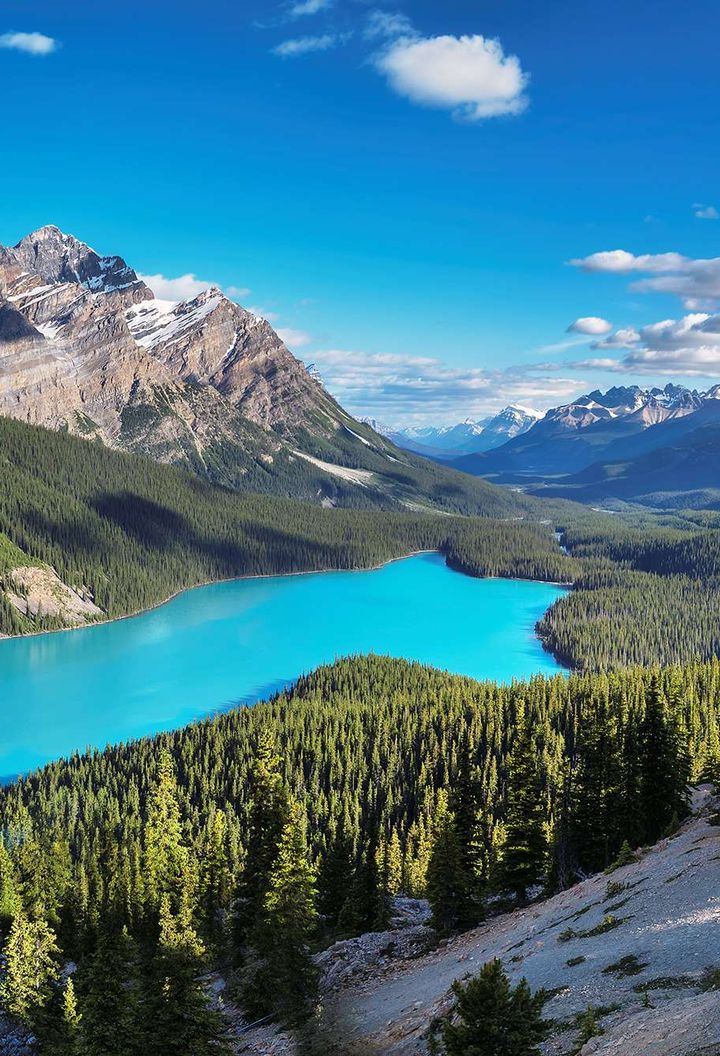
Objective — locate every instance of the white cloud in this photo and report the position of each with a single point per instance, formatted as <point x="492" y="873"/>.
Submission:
<point x="237" y="292"/>
<point x="469" y="75"/>
<point x="388" y="24"/>
<point x="305" y="45"/>
<point x="688" y="346"/>
<point x="423" y="388"/>
<point x="624" y="338"/>
<point x="293" y="338"/>
<point x="705" y="212"/>
<point x="30" y="43"/>
<point x="184" y="287"/>
<point x="590" y="324"/>
<point x="696" y="281"/>
<point x="309" y="7"/>
<point x="268" y="316"/>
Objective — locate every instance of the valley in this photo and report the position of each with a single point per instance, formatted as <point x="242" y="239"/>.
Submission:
<point x="359" y="529"/>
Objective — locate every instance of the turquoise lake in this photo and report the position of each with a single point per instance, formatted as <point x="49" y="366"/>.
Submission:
<point x="236" y="642"/>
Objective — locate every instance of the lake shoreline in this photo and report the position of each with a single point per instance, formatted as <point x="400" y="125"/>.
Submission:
<point x="273" y="575"/>
<point x="238" y="642"/>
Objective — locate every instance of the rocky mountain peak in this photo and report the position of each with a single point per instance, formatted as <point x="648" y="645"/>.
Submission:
<point x="59" y="257"/>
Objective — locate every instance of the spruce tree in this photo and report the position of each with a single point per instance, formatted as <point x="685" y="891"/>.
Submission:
<point x="596" y="788"/>
<point x="450" y="890"/>
<point x="335" y="879"/>
<point x="267" y="817"/>
<point x="525" y="849"/>
<point x="10" y="901"/>
<point x="109" y="992"/>
<point x="166" y="858"/>
<point x="215" y="878"/>
<point x="178" y="1019"/>
<point x="491" y="1018"/>
<point x="62" y="1032"/>
<point x="466" y="804"/>
<point x="282" y="977"/>
<point x="32" y="968"/>
<point x="662" y="773"/>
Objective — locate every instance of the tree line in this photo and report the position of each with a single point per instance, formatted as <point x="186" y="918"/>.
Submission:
<point x="242" y="843"/>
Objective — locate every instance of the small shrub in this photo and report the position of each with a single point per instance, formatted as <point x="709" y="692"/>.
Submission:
<point x="588" y="1028"/>
<point x="629" y="965"/>
<point x="710" y="979"/>
<point x="626" y="856"/>
<point x="608" y="923"/>
<point x="574" y="961"/>
<point x="613" y="888"/>
<point x="667" y="982"/>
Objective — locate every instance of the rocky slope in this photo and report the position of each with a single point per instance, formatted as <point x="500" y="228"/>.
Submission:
<point x="86" y="347"/>
<point x="640" y="946"/>
<point x="643" y="938"/>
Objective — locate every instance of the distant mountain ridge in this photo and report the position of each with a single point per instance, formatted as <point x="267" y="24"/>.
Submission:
<point x="86" y="347"/>
<point x="598" y="446"/>
<point x="468" y="437"/>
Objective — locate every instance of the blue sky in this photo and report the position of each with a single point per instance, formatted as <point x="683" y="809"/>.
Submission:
<point x="399" y="187"/>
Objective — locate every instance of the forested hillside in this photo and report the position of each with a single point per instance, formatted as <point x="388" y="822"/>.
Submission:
<point x="131" y="533"/>
<point x="127" y="533"/>
<point x="241" y="841"/>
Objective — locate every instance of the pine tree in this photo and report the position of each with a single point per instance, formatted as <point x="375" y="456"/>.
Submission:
<point x="215" y="877"/>
<point x="62" y="1032"/>
<point x="108" y="986"/>
<point x="466" y="804"/>
<point x="525" y="849"/>
<point x="10" y="901"/>
<point x="662" y="772"/>
<point x="450" y="890"/>
<point x="177" y="1017"/>
<point x="31" y="969"/>
<point x="335" y="879"/>
<point x="490" y="1018"/>
<point x="267" y="816"/>
<point x="282" y="977"/>
<point x="166" y="859"/>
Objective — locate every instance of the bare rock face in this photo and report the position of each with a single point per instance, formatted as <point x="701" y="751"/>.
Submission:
<point x="36" y="591"/>
<point x="688" y="1027"/>
<point x="85" y="346"/>
<point x="57" y="257"/>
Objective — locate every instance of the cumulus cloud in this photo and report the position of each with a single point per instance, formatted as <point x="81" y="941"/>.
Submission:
<point x="184" y="287"/>
<point x="423" y="388"/>
<point x="309" y="7"/>
<point x="30" y="43"/>
<point x="590" y="324"/>
<point x="305" y="45"/>
<point x="705" y="212"/>
<point x="469" y="75"/>
<point x="695" y="280"/>
<point x="623" y="338"/>
<point x="293" y="338"/>
<point x="689" y="346"/>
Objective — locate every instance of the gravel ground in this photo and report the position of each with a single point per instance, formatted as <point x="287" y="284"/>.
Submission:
<point x="666" y="917"/>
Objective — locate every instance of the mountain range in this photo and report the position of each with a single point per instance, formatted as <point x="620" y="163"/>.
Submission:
<point x="86" y="347"/>
<point x="469" y="437"/>
<point x="656" y="446"/>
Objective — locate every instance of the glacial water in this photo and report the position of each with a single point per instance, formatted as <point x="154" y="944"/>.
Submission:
<point x="230" y="643"/>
